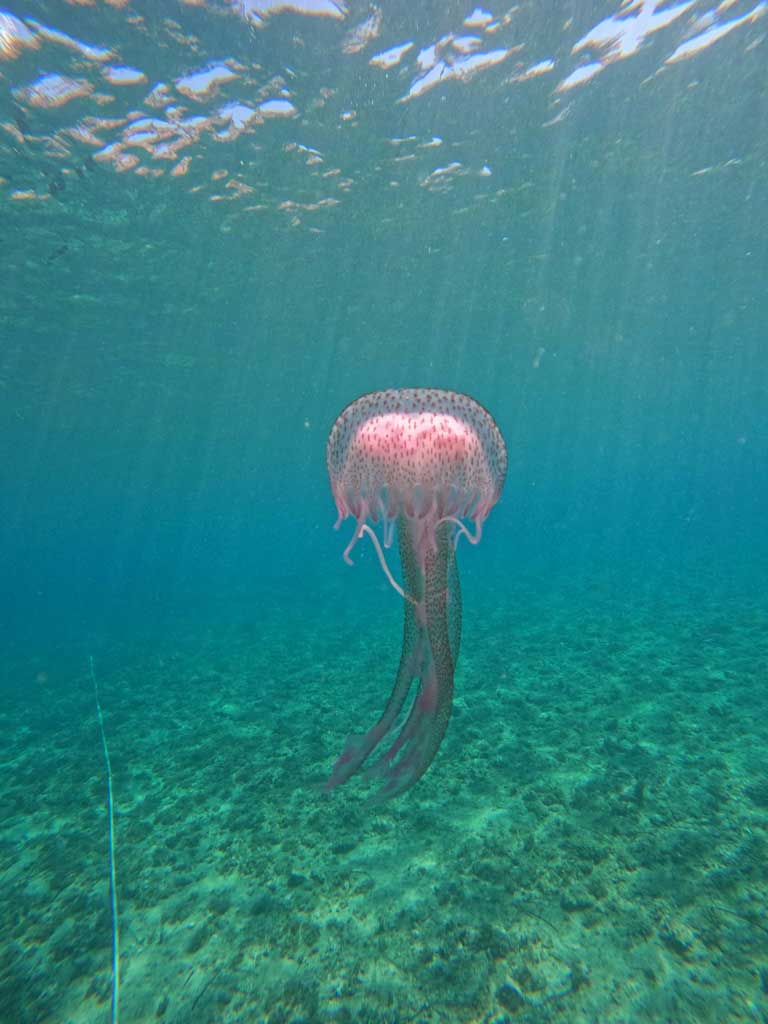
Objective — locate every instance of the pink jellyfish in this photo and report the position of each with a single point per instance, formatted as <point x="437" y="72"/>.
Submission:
<point x="422" y="460"/>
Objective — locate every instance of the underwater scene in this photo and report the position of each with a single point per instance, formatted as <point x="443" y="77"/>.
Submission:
<point x="485" y="287"/>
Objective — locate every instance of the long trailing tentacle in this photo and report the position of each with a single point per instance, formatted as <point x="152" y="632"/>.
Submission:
<point x="362" y="528"/>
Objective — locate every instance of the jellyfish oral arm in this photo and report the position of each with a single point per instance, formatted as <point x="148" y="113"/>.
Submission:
<point x="430" y="646"/>
<point x="359" y="746"/>
<point x="413" y="751"/>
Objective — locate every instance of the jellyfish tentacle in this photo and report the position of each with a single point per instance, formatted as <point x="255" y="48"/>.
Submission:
<point x="473" y="538"/>
<point x="383" y="561"/>
<point x="362" y="528"/>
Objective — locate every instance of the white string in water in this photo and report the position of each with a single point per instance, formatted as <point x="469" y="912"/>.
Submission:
<point x="112" y="877"/>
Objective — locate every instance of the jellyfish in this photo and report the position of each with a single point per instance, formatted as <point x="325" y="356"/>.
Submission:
<point x="427" y="465"/>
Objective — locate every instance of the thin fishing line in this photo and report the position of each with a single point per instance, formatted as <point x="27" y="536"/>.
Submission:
<point x="112" y="875"/>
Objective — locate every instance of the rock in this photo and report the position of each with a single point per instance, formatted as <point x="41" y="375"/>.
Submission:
<point x="574" y="898"/>
<point x="510" y="997"/>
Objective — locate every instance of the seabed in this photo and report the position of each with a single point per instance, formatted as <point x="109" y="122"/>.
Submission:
<point x="589" y="845"/>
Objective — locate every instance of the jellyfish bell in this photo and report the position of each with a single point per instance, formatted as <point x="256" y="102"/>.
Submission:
<point x="426" y="455"/>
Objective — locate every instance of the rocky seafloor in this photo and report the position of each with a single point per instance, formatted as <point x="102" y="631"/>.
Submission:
<point x="589" y="845"/>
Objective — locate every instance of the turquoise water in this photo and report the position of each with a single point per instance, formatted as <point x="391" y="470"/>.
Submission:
<point x="221" y="223"/>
